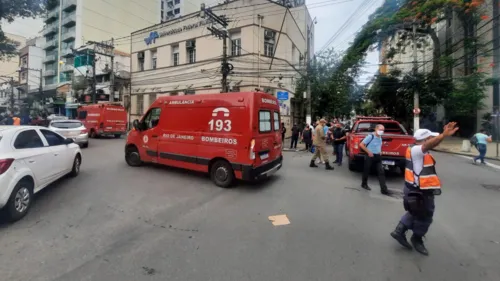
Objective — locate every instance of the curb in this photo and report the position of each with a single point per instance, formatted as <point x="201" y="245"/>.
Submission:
<point x="464" y="154"/>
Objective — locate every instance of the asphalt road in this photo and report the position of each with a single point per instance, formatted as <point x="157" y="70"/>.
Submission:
<point x="114" y="222"/>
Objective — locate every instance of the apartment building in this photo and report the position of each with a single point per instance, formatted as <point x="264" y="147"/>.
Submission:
<point x="70" y="24"/>
<point x="9" y="66"/>
<point x="266" y="47"/>
<point x="172" y="9"/>
<point x="30" y="64"/>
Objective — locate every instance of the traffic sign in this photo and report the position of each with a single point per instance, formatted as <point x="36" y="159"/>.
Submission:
<point x="282" y="95"/>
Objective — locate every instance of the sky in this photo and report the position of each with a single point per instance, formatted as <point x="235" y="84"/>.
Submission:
<point x="342" y="18"/>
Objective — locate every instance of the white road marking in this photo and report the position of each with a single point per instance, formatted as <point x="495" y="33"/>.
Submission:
<point x="487" y="164"/>
<point x="279" y="220"/>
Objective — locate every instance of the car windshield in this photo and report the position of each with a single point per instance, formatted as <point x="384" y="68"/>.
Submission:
<point x="390" y="128"/>
<point x="66" y="125"/>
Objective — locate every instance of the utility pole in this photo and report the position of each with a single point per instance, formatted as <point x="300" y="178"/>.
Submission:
<point x="416" y="118"/>
<point x="94" y="79"/>
<point x="226" y="67"/>
<point x="259" y="17"/>
<point x="12" y="99"/>
<point x="112" y="74"/>
<point x="104" y="49"/>
<point x="308" y="78"/>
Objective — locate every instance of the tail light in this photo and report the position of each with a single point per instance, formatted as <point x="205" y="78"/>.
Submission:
<point x="356" y="143"/>
<point x="252" y="151"/>
<point x="84" y="131"/>
<point x="5" y="165"/>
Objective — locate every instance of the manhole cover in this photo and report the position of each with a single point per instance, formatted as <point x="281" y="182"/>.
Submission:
<point x="491" y="186"/>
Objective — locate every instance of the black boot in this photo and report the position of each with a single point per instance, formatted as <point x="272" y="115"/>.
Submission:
<point x="365" y="186"/>
<point x="418" y="244"/>
<point x="400" y="235"/>
<point x="327" y="166"/>
<point x="385" y="191"/>
<point x="312" y="164"/>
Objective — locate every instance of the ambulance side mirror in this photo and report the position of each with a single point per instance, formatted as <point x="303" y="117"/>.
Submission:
<point x="135" y="123"/>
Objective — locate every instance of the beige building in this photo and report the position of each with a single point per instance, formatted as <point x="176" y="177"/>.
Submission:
<point x="9" y="66"/>
<point x="72" y="23"/>
<point x="266" y="47"/>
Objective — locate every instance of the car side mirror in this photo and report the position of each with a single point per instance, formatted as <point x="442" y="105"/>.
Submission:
<point x="135" y="124"/>
<point x="68" y="141"/>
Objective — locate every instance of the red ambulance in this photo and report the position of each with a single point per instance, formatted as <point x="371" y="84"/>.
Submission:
<point x="103" y="119"/>
<point x="230" y="136"/>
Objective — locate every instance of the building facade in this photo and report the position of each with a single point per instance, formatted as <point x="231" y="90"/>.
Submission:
<point x="266" y="46"/>
<point x="172" y="9"/>
<point x="9" y="66"/>
<point x="30" y="62"/>
<point x="72" y="23"/>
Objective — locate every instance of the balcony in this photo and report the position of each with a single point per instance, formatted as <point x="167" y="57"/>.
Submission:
<point x="49" y="59"/>
<point x="67" y="68"/>
<point x="49" y="72"/>
<point x="67" y="53"/>
<point x="52" y="16"/>
<point x="69" y="20"/>
<point x="49" y="30"/>
<point x="51" y="44"/>
<point x="69" y="5"/>
<point x="69" y="36"/>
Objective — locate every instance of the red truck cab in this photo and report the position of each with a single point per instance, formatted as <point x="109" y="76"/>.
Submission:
<point x="103" y="119"/>
<point x="395" y="141"/>
<point x="233" y="135"/>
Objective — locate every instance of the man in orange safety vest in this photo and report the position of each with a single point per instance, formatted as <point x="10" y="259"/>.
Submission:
<point x="421" y="185"/>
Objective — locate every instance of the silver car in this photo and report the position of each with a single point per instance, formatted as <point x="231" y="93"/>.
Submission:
<point x="73" y="129"/>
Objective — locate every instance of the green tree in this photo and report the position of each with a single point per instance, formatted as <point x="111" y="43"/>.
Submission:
<point x="12" y="9"/>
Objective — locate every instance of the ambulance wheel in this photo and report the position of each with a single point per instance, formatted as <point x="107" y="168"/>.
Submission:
<point x="222" y="173"/>
<point x="132" y="156"/>
<point x="93" y="134"/>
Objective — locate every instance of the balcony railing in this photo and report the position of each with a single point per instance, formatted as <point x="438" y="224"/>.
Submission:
<point x="50" y="29"/>
<point x="67" y="52"/>
<point x="67" y="68"/>
<point x="68" y="36"/>
<point x="49" y="72"/>
<point x="68" y="5"/>
<point x="49" y="58"/>
<point x="52" y="15"/>
<point x="69" y="20"/>
<point x="50" y="44"/>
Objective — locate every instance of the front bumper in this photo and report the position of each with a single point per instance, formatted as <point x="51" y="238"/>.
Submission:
<point x="250" y="173"/>
<point x="398" y="161"/>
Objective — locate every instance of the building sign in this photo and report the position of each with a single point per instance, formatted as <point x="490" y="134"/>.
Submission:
<point x="153" y="35"/>
<point x="282" y="95"/>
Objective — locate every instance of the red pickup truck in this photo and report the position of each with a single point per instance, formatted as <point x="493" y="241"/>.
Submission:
<point x="395" y="141"/>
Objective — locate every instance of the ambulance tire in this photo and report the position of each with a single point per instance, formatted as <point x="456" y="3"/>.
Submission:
<point x="93" y="134"/>
<point x="132" y="156"/>
<point x="222" y="174"/>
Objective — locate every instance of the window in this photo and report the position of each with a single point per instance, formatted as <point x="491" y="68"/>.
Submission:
<point x="393" y="128"/>
<point x="264" y="121"/>
<point x="152" y="98"/>
<point x="153" y="59"/>
<point x="23" y="75"/>
<point x="276" y="117"/>
<point x="191" y="51"/>
<point x="162" y="14"/>
<point x="162" y="5"/>
<point x="177" y="2"/>
<point x="268" y="49"/>
<point x="24" y="62"/>
<point x="66" y="124"/>
<point x="175" y="55"/>
<point x="177" y="11"/>
<point x="152" y="118"/>
<point x="140" y="61"/>
<point x="140" y="104"/>
<point x="28" y="139"/>
<point x="236" y="47"/>
<point x="52" y="138"/>
<point x="189" y="92"/>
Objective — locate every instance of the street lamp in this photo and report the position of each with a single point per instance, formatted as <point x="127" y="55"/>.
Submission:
<point x="308" y="61"/>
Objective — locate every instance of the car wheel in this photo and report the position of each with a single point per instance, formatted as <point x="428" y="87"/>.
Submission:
<point x="85" y="145"/>
<point x="132" y="157"/>
<point x="76" y="166"/>
<point x="93" y="134"/>
<point x="222" y="174"/>
<point x="20" y="200"/>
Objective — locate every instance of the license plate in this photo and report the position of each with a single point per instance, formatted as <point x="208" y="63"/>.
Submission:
<point x="388" y="162"/>
<point x="264" y="156"/>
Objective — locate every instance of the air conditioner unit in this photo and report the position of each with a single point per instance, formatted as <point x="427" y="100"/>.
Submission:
<point x="190" y="44"/>
<point x="140" y="55"/>
<point x="269" y="34"/>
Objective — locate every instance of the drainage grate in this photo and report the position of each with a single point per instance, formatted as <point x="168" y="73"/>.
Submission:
<point x="491" y="186"/>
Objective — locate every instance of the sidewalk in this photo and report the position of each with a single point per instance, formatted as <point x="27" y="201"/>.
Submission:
<point x="454" y="145"/>
<point x="286" y="145"/>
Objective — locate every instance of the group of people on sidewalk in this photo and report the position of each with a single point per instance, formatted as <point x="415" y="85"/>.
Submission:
<point x="335" y="134"/>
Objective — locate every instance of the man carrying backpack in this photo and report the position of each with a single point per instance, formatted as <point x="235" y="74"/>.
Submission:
<point x="372" y="145"/>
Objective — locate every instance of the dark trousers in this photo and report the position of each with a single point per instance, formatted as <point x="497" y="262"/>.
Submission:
<point x="419" y="225"/>
<point x="339" y="152"/>
<point x="293" y="143"/>
<point x="377" y="161"/>
<point x="481" y="147"/>
<point x="308" y="144"/>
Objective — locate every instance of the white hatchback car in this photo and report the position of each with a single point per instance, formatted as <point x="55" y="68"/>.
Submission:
<point x="30" y="159"/>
